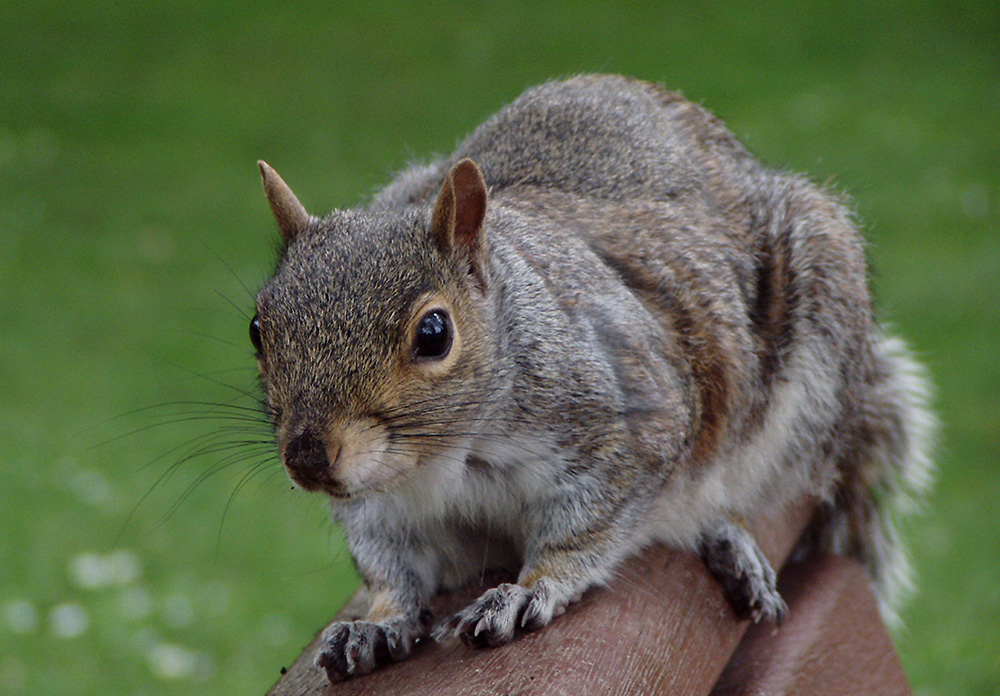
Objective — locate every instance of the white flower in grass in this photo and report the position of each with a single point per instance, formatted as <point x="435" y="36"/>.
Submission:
<point x="68" y="620"/>
<point x="21" y="616"/>
<point x="172" y="662"/>
<point x="94" y="571"/>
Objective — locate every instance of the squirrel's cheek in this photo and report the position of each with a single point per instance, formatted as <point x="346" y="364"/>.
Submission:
<point x="366" y="459"/>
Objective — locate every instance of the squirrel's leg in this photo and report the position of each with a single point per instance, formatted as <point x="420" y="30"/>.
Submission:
<point x="734" y="558"/>
<point x="576" y="546"/>
<point x="397" y="618"/>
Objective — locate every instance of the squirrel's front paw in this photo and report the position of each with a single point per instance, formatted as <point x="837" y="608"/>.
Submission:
<point x="493" y="618"/>
<point x="353" y="648"/>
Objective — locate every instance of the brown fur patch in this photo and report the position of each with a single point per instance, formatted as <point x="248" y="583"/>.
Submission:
<point x="702" y="349"/>
<point x="383" y="607"/>
<point x="772" y="317"/>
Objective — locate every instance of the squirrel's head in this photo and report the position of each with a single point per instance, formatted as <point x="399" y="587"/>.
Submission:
<point x="370" y="338"/>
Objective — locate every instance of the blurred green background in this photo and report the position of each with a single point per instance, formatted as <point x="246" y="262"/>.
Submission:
<point x="133" y="232"/>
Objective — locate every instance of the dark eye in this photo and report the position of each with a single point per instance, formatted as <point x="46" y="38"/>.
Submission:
<point x="255" y="334"/>
<point x="433" y="339"/>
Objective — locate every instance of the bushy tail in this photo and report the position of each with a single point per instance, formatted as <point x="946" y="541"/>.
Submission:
<point x="886" y="475"/>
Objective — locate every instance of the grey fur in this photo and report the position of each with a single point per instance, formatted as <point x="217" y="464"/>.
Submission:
<point x="655" y="335"/>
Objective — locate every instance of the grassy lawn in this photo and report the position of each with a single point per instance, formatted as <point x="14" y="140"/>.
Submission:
<point x="161" y="550"/>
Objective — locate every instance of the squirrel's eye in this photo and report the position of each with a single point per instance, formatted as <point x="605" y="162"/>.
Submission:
<point x="255" y="334"/>
<point x="433" y="338"/>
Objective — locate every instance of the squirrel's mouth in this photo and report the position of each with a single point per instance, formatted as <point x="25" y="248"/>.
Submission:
<point x="346" y="461"/>
<point x="316" y="482"/>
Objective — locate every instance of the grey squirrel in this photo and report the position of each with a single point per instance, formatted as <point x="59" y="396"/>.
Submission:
<point x="599" y="324"/>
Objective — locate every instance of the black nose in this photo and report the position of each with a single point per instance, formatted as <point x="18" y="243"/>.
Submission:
<point x="307" y="463"/>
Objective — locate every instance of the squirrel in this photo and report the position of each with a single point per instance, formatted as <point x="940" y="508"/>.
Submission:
<point x="599" y="324"/>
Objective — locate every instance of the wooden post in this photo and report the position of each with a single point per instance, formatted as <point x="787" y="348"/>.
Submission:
<point x="662" y="627"/>
<point x="832" y="643"/>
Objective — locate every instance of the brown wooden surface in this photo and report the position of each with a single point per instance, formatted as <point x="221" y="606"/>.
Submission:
<point x="662" y="627"/>
<point x="832" y="643"/>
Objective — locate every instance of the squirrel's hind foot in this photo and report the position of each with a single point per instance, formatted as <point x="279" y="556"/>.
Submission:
<point x="750" y="582"/>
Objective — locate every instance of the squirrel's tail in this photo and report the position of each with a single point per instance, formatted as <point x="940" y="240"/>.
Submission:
<point x="884" y="476"/>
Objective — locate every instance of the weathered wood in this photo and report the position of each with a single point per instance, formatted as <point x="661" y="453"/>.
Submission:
<point x="832" y="643"/>
<point x="662" y="627"/>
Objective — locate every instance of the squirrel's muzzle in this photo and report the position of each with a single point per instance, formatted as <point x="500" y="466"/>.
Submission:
<point x="308" y="461"/>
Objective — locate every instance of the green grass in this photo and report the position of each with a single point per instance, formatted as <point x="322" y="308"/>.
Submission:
<point x="132" y="224"/>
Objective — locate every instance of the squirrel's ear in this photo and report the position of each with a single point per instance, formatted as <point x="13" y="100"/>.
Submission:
<point x="288" y="211"/>
<point x="457" y="225"/>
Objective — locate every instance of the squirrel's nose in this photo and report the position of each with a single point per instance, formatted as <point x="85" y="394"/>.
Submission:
<point x="308" y="461"/>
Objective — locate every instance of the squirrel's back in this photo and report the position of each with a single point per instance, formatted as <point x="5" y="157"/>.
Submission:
<point x="598" y="136"/>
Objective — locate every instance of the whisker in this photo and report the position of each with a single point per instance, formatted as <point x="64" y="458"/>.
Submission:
<point x="252" y="295"/>
<point x="258" y="412"/>
<point x="240" y="310"/>
<point x="191" y="418"/>
<point x="218" y="467"/>
<point x="208" y="378"/>
<point x="513" y="444"/>
<point x="232" y="344"/>
<point x="262" y="465"/>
